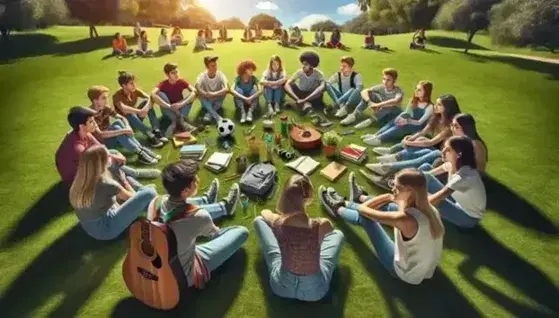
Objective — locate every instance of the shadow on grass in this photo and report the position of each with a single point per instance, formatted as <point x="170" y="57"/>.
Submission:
<point x="447" y="42"/>
<point x="51" y="205"/>
<point x="213" y="301"/>
<point x="74" y="266"/>
<point x="428" y="50"/>
<point x="332" y="305"/>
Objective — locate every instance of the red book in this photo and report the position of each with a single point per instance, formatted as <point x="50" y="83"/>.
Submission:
<point x="183" y="136"/>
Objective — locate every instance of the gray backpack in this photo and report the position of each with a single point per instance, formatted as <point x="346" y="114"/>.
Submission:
<point x="259" y="180"/>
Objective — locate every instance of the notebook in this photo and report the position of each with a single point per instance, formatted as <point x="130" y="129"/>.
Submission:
<point x="195" y="152"/>
<point x="304" y="165"/>
<point x="333" y="171"/>
<point x="178" y="142"/>
<point x="219" y="161"/>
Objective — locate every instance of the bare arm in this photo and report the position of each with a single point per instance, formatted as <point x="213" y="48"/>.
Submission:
<point x="438" y="197"/>
<point x="201" y="92"/>
<point x="237" y="94"/>
<point x="128" y="110"/>
<point x="316" y="92"/>
<point x="324" y="228"/>
<point x="379" y="200"/>
<point x="269" y="216"/>
<point x="438" y="170"/>
<point x="428" y="142"/>
<point x="365" y="95"/>
<point x="288" y="88"/>
<point x="389" y="103"/>
<point x="111" y="133"/>
<point x="158" y="100"/>
<point x="481" y="155"/>
<point x="125" y="192"/>
<point x="394" y="219"/>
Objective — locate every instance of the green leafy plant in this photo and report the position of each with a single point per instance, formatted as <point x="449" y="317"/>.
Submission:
<point x="331" y="138"/>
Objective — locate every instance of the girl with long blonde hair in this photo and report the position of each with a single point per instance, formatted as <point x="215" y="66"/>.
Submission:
<point x="273" y="80"/>
<point x="301" y="252"/>
<point x="94" y="195"/>
<point x="415" y="252"/>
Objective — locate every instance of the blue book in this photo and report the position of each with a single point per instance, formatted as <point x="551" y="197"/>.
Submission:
<point x="193" y="148"/>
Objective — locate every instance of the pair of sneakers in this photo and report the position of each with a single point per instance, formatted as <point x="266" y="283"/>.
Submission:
<point x="156" y="139"/>
<point x="246" y="117"/>
<point x="331" y="200"/>
<point x="229" y="202"/>
<point x="273" y="109"/>
<point x="181" y="125"/>
<point x="148" y="157"/>
<point x="351" y="118"/>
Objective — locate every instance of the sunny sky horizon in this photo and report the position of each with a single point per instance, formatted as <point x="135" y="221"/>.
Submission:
<point x="290" y="12"/>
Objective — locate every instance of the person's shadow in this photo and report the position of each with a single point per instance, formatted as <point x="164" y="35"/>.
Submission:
<point x="213" y="301"/>
<point x="74" y="257"/>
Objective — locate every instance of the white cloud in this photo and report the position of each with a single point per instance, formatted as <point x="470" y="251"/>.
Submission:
<point x="267" y="5"/>
<point x="311" y="19"/>
<point x="349" y="9"/>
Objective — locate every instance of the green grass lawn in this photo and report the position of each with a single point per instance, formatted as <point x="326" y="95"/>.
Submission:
<point x="507" y="267"/>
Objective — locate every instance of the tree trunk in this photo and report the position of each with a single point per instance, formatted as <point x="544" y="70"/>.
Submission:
<point x="5" y="32"/>
<point x="93" y="31"/>
<point x="470" y="38"/>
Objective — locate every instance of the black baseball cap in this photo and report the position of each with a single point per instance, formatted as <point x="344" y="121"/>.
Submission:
<point x="209" y="59"/>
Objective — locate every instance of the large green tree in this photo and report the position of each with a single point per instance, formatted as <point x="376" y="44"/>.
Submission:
<point x="401" y="14"/>
<point x="29" y="14"/>
<point x="232" y="23"/>
<point x="93" y="12"/>
<point x="264" y="21"/>
<point x="327" y="25"/>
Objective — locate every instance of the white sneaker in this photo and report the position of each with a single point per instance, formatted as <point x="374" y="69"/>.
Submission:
<point x="243" y="116"/>
<point x="350" y="119"/>
<point x="277" y="108"/>
<point x="367" y="136"/>
<point x="307" y="107"/>
<point x="373" y="141"/>
<point x="379" y="168"/>
<point x="249" y="115"/>
<point x="388" y="158"/>
<point x="382" y="150"/>
<point x="271" y="109"/>
<point x="364" y="124"/>
<point x="342" y="112"/>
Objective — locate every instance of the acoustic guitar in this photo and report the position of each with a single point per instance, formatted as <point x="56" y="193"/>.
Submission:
<point x="146" y="269"/>
<point x="304" y="138"/>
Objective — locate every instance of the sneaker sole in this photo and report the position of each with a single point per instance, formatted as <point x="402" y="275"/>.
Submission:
<point x="351" y="192"/>
<point x="149" y="163"/>
<point x="237" y="199"/>
<point x="323" y="203"/>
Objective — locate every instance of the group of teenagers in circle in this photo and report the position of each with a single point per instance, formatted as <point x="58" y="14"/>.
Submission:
<point x="436" y="174"/>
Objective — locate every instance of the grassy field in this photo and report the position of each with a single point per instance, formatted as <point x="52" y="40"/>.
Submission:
<point x="506" y="267"/>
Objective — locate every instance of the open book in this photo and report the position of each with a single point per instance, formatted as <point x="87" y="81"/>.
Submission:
<point x="218" y="161"/>
<point x="304" y="165"/>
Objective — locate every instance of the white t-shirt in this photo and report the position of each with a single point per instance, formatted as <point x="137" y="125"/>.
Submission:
<point x="346" y="81"/>
<point x="469" y="190"/>
<point x="308" y="83"/>
<point x="417" y="258"/>
<point x="163" y="41"/>
<point x="215" y="84"/>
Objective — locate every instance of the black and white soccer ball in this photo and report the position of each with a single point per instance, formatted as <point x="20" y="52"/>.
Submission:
<point x="225" y="127"/>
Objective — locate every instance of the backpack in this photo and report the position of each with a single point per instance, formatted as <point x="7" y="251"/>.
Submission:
<point x="259" y="180"/>
<point x="351" y="80"/>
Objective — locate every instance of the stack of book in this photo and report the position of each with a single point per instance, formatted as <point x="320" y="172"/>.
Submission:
<point x="183" y="138"/>
<point x="354" y="153"/>
<point x="194" y="152"/>
<point x="219" y="161"/>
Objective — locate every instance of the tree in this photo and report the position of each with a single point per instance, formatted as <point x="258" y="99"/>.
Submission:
<point x="528" y="22"/>
<point x="327" y="25"/>
<point x="478" y="21"/>
<point x="93" y="12"/>
<point x="232" y="23"/>
<point x="401" y="15"/>
<point x="196" y="17"/>
<point x="458" y="14"/>
<point x="264" y="21"/>
<point x="359" y="25"/>
<point x="30" y="14"/>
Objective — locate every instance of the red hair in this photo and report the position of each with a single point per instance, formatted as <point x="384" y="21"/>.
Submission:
<point x="427" y="90"/>
<point x="245" y="65"/>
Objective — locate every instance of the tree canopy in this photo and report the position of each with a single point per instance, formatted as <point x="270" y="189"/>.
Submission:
<point x="327" y="25"/>
<point x="264" y="21"/>
<point x="232" y="23"/>
<point x="28" y="14"/>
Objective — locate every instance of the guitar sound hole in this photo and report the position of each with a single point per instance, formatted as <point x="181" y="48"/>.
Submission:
<point x="306" y="133"/>
<point x="156" y="262"/>
<point x="147" y="249"/>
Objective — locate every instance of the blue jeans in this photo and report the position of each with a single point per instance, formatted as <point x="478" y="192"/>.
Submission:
<point x="274" y="95"/>
<point x="448" y="208"/>
<point x="130" y="143"/>
<point x="222" y="246"/>
<point x="240" y="103"/>
<point x="288" y="285"/>
<point x="168" y="48"/>
<point x="383" y="115"/>
<point x="117" y="219"/>
<point x="421" y="156"/>
<point x="215" y="209"/>
<point x="137" y="122"/>
<point x="392" y="131"/>
<point x="211" y="106"/>
<point x="351" y="97"/>
<point x="184" y="111"/>
<point x="383" y="244"/>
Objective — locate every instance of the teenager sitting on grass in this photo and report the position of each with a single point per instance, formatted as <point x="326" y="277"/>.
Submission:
<point x="94" y="194"/>
<point x="319" y="38"/>
<point x="308" y="93"/>
<point x="200" y="42"/>
<point x="370" y="42"/>
<point x="165" y="45"/>
<point x="277" y="32"/>
<point x="462" y="201"/>
<point x="176" y="37"/>
<point x="296" y="37"/>
<point x="418" y="40"/>
<point x="127" y="103"/>
<point x="143" y="43"/>
<point x="273" y="80"/>
<point x="384" y="100"/>
<point x="415" y="253"/>
<point x="417" y="149"/>
<point x="284" y="39"/>
<point x="247" y="35"/>
<point x="168" y="94"/>
<point x="120" y="47"/>
<point x="258" y="33"/>
<point x="223" y="34"/>
<point x="209" y="34"/>
<point x="118" y="133"/>
<point x="137" y="30"/>
<point x="301" y="252"/>
<point x="79" y="139"/>
<point x="335" y="40"/>
<point x="246" y="90"/>
<point x="344" y="87"/>
<point x="413" y="120"/>
<point x="191" y="217"/>
<point x="212" y="89"/>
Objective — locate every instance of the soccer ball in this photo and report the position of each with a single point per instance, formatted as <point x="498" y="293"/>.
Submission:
<point x="225" y="127"/>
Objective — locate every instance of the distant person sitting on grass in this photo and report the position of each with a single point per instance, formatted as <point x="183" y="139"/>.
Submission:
<point x="296" y="37"/>
<point x="168" y="94"/>
<point x="344" y="87"/>
<point x="143" y="49"/>
<point x="335" y="40"/>
<point x="418" y="40"/>
<point x="209" y="34"/>
<point x="176" y="36"/>
<point x="247" y="35"/>
<point x="136" y="105"/>
<point x="200" y="43"/>
<point x="137" y="30"/>
<point x="319" y="39"/>
<point x="223" y="34"/>
<point x="273" y="80"/>
<point x="284" y="40"/>
<point x="301" y="253"/>
<point x="118" y="133"/>
<point x="246" y="90"/>
<point x="212" y="89"/>
<point x="120" y="47"/>
<point x="95" y="195"/>
<point x="190" y="216"/>
<point x="258" y="33"/>
<point x="277" y="32"/>
<point x="165" y="45"/>
<point x="370" y="42"/>
<point x="309" y="91"/>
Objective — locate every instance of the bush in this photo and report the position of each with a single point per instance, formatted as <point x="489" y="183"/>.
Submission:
<point x="232" y="23"/>
<point x="264" y="21"/>
<point x="327" y="25"/>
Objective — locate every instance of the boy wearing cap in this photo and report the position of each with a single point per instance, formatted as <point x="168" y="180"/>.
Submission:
<point x="310" y="89"/>
<point x="212" y="88"/>
<point x="168" y="94"/>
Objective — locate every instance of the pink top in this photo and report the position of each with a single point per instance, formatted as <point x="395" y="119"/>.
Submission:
<point x="300" y="248"/>
<point x="69" y="152"/>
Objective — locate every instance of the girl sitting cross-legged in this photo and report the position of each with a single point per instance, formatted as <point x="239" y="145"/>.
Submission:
<point x="413" y="120"/>
<point x="416" y="250"/>
<point x="246" y="90"/>
<point x="301" y="252"/>
<point x="143" y="43"/>
<point x="200" y="42"/>
<point x="165" y="45"/>
<point x="247" y="35"/>
<point x="273" y="80"/>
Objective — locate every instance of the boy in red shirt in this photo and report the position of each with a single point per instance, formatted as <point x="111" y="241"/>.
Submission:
<point x="168" y="94"/>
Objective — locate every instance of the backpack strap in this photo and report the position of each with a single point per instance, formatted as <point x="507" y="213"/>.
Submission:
<point x="340" y="81"/>
<point x="352" y="79"/>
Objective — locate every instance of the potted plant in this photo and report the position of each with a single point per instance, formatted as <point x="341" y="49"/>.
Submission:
<point x="331" y="139"/>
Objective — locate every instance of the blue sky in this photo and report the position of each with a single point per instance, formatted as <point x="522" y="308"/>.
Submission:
<point x="290" y="12"/>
